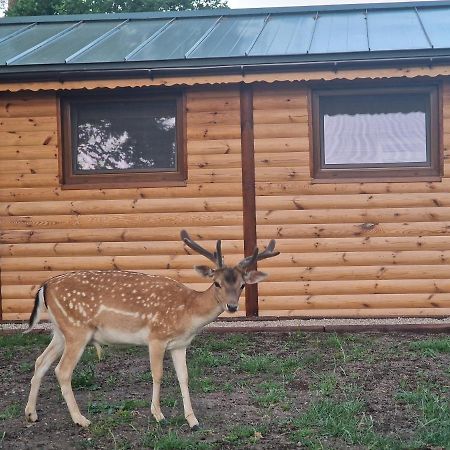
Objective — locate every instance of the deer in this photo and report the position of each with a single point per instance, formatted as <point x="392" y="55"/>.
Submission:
<point x="102" y="307"/>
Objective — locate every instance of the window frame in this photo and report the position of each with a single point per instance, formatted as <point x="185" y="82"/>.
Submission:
<point x="392" y="172"/>
<point x="129" y="178"/>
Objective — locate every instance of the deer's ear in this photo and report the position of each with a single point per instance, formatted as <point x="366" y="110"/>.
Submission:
<point x="204" y="271"/>
<point x="254" y="277"/>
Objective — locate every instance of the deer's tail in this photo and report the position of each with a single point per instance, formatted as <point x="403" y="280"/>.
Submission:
<point x="39" y="305"/>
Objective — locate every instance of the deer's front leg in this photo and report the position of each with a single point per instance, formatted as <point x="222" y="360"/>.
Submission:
<point x="156" y="350"/>
<point x="179" y="362"/>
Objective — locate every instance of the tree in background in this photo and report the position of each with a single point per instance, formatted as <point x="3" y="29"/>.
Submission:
<point x="52" y="7"/>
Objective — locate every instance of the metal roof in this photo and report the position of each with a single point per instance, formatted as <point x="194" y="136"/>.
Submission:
<point x="221" y="38"/>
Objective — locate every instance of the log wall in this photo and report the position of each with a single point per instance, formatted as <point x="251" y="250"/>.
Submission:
<point x="46" y="230"/>
<point x="348" y="249"/>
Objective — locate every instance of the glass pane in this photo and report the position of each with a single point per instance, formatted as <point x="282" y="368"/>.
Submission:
<point x="121" y="136"/>
<point x="374" y="129"/>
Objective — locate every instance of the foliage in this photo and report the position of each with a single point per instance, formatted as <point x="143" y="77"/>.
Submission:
<point x="53" y="7"/>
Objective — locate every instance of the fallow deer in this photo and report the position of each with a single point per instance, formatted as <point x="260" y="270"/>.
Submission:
<point x="108" y="307"/>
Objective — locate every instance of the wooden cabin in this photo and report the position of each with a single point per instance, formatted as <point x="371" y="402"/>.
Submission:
<point x="325" y="128"/>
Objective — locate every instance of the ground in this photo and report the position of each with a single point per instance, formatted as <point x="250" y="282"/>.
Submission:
<point x="250" y="391"/>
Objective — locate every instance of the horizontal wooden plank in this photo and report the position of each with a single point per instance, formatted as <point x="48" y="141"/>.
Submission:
<point x="281" y="145"/>
<point x="208" y="175"/>
<point x="352" y="230"/>
<point x="398" y="272"/>
<point x="38" y="277"/>
<point x="208" y="104"/>
<point x="276" y="174"/>
<point x="218" y="215"/>
<point x="216" y="117"/>
<point x="27" y="180"/>
<point x="192" y="190"/>
<point x="214" y="132"/>
<point x="308" y="187"/>
<point x="353" y="287"/>
<point x="339" y="201"/>
<point x="46" y="123"/>
<point x="32" y="166"/>
<point x="112" y="248"/>
<point x="120" y="234"/>
<point x="213" y="147"/>
<point x="280" y="100"/>
<point x="19" y="152"/>
<point x="367" y="243"/>
<point x="359" y="301"/>
<point x="136" y="206"/>
<point x="232" y="160"/>
<point x="121" y="220"/>
<point x="356" y="313"/>
<point x="280" y="116"/>
<point x="263" y="189"/>
<point x="187" y="261"/>
<point x="9" y="138"/>
<point x="28" y="106"/>
<point x="377" y="258"/>
<point x="279" y="130"/>
<point x="369" y="216"/>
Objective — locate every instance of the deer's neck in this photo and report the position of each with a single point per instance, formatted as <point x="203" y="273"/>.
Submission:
<point x="206" y="306"/>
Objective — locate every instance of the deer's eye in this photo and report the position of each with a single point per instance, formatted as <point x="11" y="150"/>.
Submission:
<point x="216" y="284"/>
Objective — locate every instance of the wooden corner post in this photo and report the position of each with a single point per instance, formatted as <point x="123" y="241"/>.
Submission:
<point x="248" y="189"/>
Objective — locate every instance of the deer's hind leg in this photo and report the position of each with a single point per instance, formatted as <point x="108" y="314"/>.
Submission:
<point x="75" y="345"/>
<point x="43" y="363"/>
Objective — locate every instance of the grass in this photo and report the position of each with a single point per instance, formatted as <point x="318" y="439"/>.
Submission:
<point x="317" y="391"/>
<point x="11" y="412"/>
<point x="431" y="347"/>
<point x="434" y="415"/>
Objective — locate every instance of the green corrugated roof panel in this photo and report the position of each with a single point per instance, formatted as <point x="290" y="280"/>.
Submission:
<point x="125" y="38"/>
<point x="59" y="49"/>
<point x="285" y="34"/>
<point x="213" y="38"/>
<point x="232" y="36"/>
<point x="436" y="22"/>
<point x="396" y="30"/>
<point x="340" y="32"/>
<point x="175" y="41"/>
<point x="12" y="48"/>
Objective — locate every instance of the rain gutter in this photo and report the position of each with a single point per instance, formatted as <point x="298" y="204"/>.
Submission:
<point x="225" y="69"/>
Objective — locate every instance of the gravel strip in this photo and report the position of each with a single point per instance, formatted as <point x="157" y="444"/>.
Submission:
<point x="282" y="323"/>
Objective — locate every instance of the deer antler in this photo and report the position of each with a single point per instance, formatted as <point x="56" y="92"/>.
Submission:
<point x="215" y="257"/>
<point x="256" y="256"/>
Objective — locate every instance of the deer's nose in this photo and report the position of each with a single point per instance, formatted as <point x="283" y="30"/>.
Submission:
<point x="232" y="308"/>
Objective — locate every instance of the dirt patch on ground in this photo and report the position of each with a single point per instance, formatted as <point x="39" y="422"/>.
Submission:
<point x="254" y="390"/>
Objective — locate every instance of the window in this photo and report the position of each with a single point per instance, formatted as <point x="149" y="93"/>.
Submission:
<point x="122" y="139"/>
<point x="389" y="133"/>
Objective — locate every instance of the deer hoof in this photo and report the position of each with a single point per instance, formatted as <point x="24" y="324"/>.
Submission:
<point x="163" y="423"/>
<point x="31" y="416"/>
<point x="83" y="422"/>
<point x="195" y="428"/>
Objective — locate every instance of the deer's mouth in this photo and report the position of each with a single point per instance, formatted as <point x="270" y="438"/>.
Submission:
<point x="232" y="308"/>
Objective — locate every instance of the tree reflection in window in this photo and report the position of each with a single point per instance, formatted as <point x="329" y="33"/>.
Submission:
<point x="122" y="136"/>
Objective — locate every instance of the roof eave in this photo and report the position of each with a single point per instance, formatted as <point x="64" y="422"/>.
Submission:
<point x="223" y="66"/>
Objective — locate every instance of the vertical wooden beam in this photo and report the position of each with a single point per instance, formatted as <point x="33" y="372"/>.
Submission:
<point x="1" y="302"/>
<point x="248" y="189"/>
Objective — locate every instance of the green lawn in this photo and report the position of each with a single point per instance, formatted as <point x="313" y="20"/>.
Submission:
<point x="255" y="391"/>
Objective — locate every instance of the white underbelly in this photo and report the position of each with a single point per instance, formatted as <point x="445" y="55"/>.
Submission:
<point x="112" y="336"/>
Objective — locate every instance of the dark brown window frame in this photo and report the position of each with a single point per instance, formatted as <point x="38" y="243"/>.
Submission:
<point x="383" y="172"/>
<point x="157" y="178"/>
